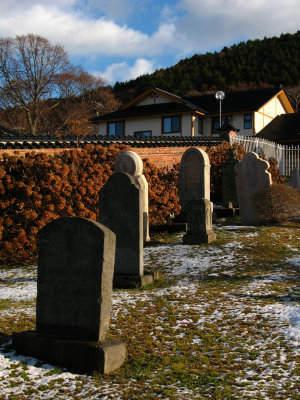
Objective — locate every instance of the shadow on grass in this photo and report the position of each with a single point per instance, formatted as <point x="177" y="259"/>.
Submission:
<point x="18" y="280"/>
<point x="4" y="338"/>
<point x="276" y="298"/>
<point x="239" y="278"/>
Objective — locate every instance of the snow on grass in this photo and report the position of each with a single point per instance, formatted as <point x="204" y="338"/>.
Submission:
<point x="290" y="314"/>
<point x="211" y="331"/>
<point x="19" y="291"/>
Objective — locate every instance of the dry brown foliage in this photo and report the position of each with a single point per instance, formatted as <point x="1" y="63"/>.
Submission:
<point x="278" y="203"/>
<point x="39" y="188"/>
<point x="218" y="155"/>
<point x="163" y="193"/>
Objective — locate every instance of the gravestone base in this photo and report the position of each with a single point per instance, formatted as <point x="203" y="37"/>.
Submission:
<point x="226" y="212"/>
<point x="134" y="281"/>
<point x="104" y="357"/>
<point x="199" y="237"/>
<point x="199" y="222"/>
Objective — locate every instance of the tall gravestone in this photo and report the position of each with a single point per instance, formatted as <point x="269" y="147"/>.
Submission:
<point x="120" y="209"/>
<point x="194" y="194"/>
<point x="251" y="178"/>
<point x="295" y="179"/>
<point x="194" y="176"/>
<point x="229" y="193"/>
<point x="74" y="289"/>
<point x="132" y="164"/>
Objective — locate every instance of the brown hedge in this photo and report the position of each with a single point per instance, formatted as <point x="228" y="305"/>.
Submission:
<point x="278" y="203"/>
<point x="39" y="188"/>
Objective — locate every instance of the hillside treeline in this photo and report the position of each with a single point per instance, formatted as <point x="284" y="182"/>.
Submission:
<point x="251" y="64"/>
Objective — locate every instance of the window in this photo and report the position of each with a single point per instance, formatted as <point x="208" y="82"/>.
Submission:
<point x="247" y="121"/>
<point x="200" y="125"/>
<point x="116" y="128"/>
<point x="143" y="134"/>
<point x="171" y="124"/>
<point x="226" y="120"/>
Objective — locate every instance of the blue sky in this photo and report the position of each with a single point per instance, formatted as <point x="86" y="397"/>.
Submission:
<point x="122" y="39"/>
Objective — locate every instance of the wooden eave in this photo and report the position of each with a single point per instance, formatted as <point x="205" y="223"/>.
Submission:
<point x="200" y="113"/>
<point x="285" y="102"/>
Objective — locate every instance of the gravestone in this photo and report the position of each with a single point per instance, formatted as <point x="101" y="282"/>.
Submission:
<point x="132" y="164"/>
<point x="229" y="193"/>
<point x="251" y="178"/>
<point x="194" y="176"/>
<point x="194" y="194"/>
<point x="199" y="222"/>
<point x="74" y="289"/>
<point x="120" y="209"/>
<point x="295" y="179"/>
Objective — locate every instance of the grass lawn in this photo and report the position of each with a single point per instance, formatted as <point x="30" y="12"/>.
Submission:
<point x="222" y="323"/>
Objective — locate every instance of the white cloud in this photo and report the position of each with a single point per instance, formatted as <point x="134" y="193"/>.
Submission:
<point x="215" y="23"/>
<point x="18" y="6"/>
<point x="91" y="29"/>
<point x="123" y="72"/>
<point x="188" y="26"/>
<point x="81" y="35"/>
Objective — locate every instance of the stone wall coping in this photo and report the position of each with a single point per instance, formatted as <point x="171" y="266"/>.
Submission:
<point x="11" y="141"/>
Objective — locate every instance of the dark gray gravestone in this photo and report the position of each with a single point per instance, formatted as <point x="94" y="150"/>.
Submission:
<point x="295" y="179"/>
<point x="229" y="193"/>
<point x="120" y="209"/>
<point x="194" y="176"/>
<point x="199" y="222"/>
<point x="132" y="164"/>
<point x="252" y="177"/>
<point x="194" y="193"/>
<point x="76" y="258"/>
<point x="75" y="273"/>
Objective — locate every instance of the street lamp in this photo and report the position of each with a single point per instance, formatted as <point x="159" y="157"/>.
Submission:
<point x="220" y="96"/>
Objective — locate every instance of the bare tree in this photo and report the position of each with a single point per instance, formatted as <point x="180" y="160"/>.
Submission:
<point x="37" y="77"/>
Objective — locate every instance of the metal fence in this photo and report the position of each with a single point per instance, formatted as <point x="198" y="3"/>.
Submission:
<point x="288" y="157"/>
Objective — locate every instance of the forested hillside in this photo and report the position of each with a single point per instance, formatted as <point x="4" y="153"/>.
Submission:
<point x="251" y="64"/>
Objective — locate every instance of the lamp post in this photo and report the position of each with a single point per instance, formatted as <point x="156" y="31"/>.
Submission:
<point x="220" y="96"/>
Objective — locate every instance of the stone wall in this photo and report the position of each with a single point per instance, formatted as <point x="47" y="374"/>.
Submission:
<point x="159" y="156"/>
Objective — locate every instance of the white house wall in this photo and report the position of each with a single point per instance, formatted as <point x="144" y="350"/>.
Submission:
<point x="150" y="124"/>
<point x="102" y="128"/>
<point x="267" y="113"/>
<point x="186" y="125"/>
<point x="145" y="124"/>
<point x="238" y="123"/>
<point x="259" y="122"/>
<point x="153" y="99"/>
<point x="272" y="108"/>
<point x="206" y="127"/>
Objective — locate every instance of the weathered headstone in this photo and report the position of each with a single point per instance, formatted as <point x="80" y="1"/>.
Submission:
<point x="199" y="222"/>
<point x="120" y="209"/>
<point x="132" y="164"/>
<point x="252" y="177"/>
<point x="295" y="179"/>
<point x="74" y="289"/>
<point x="194" y="193"/>
<point x="194" y="176"/>
<point x="229" y="193"/>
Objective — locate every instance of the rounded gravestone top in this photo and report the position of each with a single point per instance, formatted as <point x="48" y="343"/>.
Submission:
<point x="200" y="154"/>
<point x="129" y="162"/>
